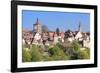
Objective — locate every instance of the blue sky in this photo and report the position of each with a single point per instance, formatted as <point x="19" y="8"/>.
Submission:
<point x="53" y="20"/>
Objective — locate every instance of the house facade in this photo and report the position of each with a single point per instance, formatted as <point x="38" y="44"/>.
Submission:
<point x="46" y="38"/>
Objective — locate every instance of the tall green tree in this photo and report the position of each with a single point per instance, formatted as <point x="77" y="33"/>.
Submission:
<point x="26" y="55"/>
<point x="84" y="54"/>
<point x="36" y="55"/>
<point x="74" y="50"/>
<point x="76" y="46"/>
<point x="57" y="53"/>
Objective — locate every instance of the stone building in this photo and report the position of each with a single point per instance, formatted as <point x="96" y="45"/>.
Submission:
<point x="78" y="35"/>
<point x="27" y="36"/>
<point x="37" y="27"/>
<point x="46" y="38"/>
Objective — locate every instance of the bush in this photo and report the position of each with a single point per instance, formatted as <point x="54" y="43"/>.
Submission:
<point x="60" y="51"/>
<point x="47" y="58"/>
<point x="60" y="45"/>
<point x="75" y="46"/>
<point x="36" y="55"/>
<point x="57" y="53"/>
<point x="73" y="51"/>
<point x="85" y="54"/>
<point x="26" y="56"/>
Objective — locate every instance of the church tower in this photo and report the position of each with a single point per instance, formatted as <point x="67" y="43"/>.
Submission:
<point x="80" y="27"/>
<point x="37" y="27"/>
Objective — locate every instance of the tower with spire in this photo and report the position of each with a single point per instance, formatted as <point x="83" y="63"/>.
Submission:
<point x="37" y="27"/>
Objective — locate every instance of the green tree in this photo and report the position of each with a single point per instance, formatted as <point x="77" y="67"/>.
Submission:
<point x="47" y="58"/>
<point x="57" y="53"/>
<point x="76" y="46"/>
<point x="36" y="55"/>
<point x="84" y="54"/>
<point x="74" y="50"/>
<point x="26" y="56"/>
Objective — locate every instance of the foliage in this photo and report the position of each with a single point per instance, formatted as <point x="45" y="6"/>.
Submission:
<point x="26" y="56"/>
<point x="36" y="55"/>
<point x="47" y="58"/>
<point x="57" y="53"/>
<point x="76" y="46"/>
<point x="73" y="50"/>
<point x="84" y="54"/>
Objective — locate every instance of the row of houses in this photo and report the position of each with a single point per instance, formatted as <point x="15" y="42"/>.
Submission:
<point x="45" y="38"/>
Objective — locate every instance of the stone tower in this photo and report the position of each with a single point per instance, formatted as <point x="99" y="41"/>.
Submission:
<point x="37" y="27"/>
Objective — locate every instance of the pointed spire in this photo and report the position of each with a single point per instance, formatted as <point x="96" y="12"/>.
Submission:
<point x="37" y="21"/>
<point x="80" y="27"/>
